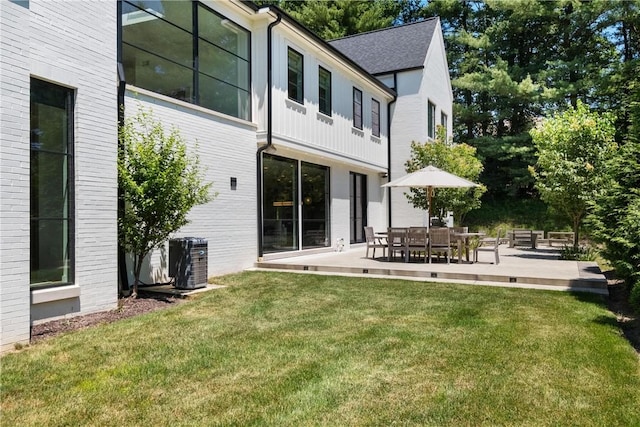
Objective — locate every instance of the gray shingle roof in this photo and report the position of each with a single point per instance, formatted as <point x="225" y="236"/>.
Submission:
<point x="390" y="49"/>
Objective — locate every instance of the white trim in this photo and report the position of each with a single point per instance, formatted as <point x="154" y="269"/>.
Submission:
<point x="40" y="296"/>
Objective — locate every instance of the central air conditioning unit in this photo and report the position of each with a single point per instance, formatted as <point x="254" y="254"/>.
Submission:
<point x="188" y="262"/>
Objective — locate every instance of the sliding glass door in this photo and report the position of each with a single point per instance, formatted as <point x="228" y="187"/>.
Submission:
<point x="294" y="190"/>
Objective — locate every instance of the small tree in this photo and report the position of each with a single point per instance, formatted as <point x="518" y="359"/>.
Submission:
<point x="573" y="148"/>
<point x="160" y="183"/>
<point x="458" y="159"/>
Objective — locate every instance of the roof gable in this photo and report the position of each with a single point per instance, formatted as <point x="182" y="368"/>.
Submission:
<point x="389" y="49"/>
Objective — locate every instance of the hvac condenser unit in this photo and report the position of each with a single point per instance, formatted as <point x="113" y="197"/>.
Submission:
<point x="188" y="262"/>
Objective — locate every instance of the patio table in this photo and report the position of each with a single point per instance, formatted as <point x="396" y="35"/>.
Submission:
<point x="463" y="241"/>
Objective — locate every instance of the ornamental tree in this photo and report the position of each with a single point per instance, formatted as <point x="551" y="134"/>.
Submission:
<point x="573" y="148"/>
<point x="160" y="183"/>
<point x="458" y="159"/>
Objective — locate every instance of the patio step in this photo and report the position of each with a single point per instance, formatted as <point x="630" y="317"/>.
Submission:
<point x="572" y="276"/>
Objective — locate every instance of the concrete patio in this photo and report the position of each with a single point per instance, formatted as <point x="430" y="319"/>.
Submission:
<point x="539" y="268"/>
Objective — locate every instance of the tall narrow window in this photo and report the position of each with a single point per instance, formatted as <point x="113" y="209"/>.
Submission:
<point x="431" y="120"/>
<point x="295" y="76"/>
<point x="324" y="91"/>
<point x="51" y="177"/>
<point x="357" y="108"/>
<point x="443" y="123"/>
<point x="375" y="117"/>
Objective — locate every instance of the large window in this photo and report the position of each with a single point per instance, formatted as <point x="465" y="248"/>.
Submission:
<point x="287" y="224"/>
<point x="431" y="120"/>
<point x="324" y="91"/>
<point x="295" y="64"/>
<point x="357" y="108"/>
<point x="375" y="117"/>
<point x="189" y="52"/>
<point x="51" y="177"/>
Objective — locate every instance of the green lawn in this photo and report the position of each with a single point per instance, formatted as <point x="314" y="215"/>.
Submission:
<point x="287" y="349"/>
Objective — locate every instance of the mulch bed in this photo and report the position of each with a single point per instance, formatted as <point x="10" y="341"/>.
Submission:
<point x="127" y="307"/>
<point x="628" y="320"/>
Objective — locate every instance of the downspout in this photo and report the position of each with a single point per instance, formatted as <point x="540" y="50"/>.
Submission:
<point x="122" y="84"/>
<point x="269" y="125"/>
<point x="395" y="97"/>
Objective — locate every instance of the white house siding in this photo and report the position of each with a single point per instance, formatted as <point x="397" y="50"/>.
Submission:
<point x="304" y="127"/>
<point x="51" y="41"/>
<point x="409" y="121"/>
<point x="301" y="132"/>
<point x="226" y="148"/>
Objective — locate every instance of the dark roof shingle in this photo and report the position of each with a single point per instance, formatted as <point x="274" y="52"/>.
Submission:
<point x="390" y="49"/>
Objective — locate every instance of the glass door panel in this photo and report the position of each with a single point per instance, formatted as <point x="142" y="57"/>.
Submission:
<point x="315" y="206"/>
<point x="280" y="204"/>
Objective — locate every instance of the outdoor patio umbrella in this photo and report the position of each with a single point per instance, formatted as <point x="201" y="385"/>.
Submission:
<point x="431" y="177"/>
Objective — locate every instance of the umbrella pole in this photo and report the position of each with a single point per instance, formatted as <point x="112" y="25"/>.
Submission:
<point x="429" y="195"/>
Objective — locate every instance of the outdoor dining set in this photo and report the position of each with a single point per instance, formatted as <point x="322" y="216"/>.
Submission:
<point x="420" y="243"/>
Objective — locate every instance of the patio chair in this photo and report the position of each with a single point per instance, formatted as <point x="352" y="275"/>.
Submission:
<point x="489" y="244"/>
<point x="417" y="242"/>
<point x="374" y="241"/>
<point x="440" y="242"/>
<point x="396" y="241"/>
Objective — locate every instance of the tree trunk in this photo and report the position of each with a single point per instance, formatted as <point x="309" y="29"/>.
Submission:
<point x="137" y="267"/>
<point x="576" y="228"/>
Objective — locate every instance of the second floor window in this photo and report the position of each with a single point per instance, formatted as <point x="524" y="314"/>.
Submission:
<point x="357" y="108"/>
<point x="375" y="117"/>
<point x="189" y="52"/>
<point x="295" y="76"/>
<point x="324" y="91"/>
<point x="431" y="120"/>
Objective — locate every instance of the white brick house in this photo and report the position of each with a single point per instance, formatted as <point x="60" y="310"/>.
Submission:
<point x="59" y="145"/>
<point x="293" y="132"/>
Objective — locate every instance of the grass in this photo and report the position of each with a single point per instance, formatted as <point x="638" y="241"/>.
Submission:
<point x="288" y="349"/>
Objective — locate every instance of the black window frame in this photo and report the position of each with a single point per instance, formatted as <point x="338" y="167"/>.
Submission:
<point x="357" y="109"/>
<point x="375" y="118"/>
<point x="326" y="106"/>
<point x="431" y="120"/>
<point x="298" y="85"/>
<point x="69" y="103"/>
<point x="444" y="118"/>
<point x="194" y="67"/>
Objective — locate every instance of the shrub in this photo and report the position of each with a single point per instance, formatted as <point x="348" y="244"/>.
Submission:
<point x="578" y="253"/>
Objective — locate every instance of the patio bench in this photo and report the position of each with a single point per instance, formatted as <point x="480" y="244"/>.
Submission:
<point x="522" y="237"/>
<point x="562" y="237"/>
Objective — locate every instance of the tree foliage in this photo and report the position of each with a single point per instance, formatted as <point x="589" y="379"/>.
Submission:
<point x="331" y="19"/>
<point x="514" y="61"/>
<point x="160" y="183"/>
<point x="616" y="212"/>
<point x="573" y="149"/>
<point x="458" y="159"/>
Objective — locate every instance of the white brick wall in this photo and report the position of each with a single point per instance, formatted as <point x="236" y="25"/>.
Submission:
<point x="226" y="148"/>
<point x="14" y="181"/>
<point x="52" y="40"/>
